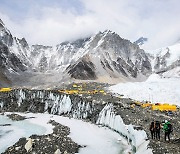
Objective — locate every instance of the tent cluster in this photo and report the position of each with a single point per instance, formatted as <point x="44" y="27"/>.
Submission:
<point x="157" y="106"/>
<point x="82" y="89"/>
<point x="72" y="91"/>
<point x="164" y="107"/>
<point x="5" y="89"/>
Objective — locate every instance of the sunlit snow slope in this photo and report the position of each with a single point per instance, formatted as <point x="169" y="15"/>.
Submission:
<point x="154" y="89"/>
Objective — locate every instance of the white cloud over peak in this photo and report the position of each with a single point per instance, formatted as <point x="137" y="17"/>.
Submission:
<point x="50" y="25"/>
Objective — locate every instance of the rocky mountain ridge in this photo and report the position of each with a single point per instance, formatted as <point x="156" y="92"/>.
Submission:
<point x="104" y="57"/>
<point x="113" y="57"/>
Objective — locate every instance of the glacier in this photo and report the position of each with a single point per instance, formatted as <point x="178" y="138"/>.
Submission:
<point x="11" y="133"/>
<point x="76" y="107"/>
<point x="155" y="89"/>
<point x="97" y="139"/>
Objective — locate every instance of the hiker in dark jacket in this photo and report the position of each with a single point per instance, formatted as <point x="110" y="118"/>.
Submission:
<point x="151" y="128"/>
<point x="167" y="129"/>
<point x="157" y="129"/>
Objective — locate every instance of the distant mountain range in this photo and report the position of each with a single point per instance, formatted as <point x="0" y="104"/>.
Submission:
<point x="104" y="57"/>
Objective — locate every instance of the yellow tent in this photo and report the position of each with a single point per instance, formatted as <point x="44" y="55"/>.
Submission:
<point x="5" y="89"/>
<point x="164" y="107"/>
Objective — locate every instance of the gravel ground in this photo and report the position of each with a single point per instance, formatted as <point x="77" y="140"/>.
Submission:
<point x="142" y="118"/>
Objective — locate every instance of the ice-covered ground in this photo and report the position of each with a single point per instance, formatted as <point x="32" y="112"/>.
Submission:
<point x="154" y="89"/>
<point x="97" y="139"/>
<point x="9" y="135"/>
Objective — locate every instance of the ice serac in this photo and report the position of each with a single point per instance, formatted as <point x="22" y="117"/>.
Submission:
<point x="109" y="57"/>
<point x="137" y="138"/>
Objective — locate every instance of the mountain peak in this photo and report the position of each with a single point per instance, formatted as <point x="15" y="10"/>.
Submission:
<point x="1" y="22"/>
<point x="141" y="41"/>
<point x="1" y="25"/>
<point x="108" y="31"/>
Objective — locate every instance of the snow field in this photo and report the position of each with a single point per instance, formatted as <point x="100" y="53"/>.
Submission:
<point x="154" y="89"/>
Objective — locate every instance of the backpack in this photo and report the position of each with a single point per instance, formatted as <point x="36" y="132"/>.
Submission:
<point x="151" y="128"/>
<point x="169" y="129"/>
<point x="157" y="125"/>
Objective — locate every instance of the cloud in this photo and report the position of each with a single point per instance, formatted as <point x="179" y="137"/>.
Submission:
<point x="52" y="24"/>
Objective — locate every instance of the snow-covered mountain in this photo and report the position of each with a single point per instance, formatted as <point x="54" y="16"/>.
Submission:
<point x="163" y="85"/>
<point x="166" y="61"/>
<point x="105" y="57"/>
<point x="46" y="58"/>
<point x="13" y="55"/>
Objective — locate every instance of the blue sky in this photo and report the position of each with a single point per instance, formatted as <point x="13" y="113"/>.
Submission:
<point x="50" y="22"/>
<point x="20" y="9"/>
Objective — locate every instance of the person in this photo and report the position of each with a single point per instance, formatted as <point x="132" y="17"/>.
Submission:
<point x="157" y="129"/>
<point x="151" y="128"/>
<point x="167" y="129"/>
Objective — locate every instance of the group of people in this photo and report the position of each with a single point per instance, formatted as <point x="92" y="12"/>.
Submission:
<point x="155" y="129"/>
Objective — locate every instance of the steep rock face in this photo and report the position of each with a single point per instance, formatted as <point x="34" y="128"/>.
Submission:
<point x="83" y="70"/>
<point x="5" y="35"/>
<point x="9" y="61"/>
<point x="13" y="55"/>
<point x="112" y="56"/>
<point x="70" y="51"/>
<point x="13" y="51"/>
